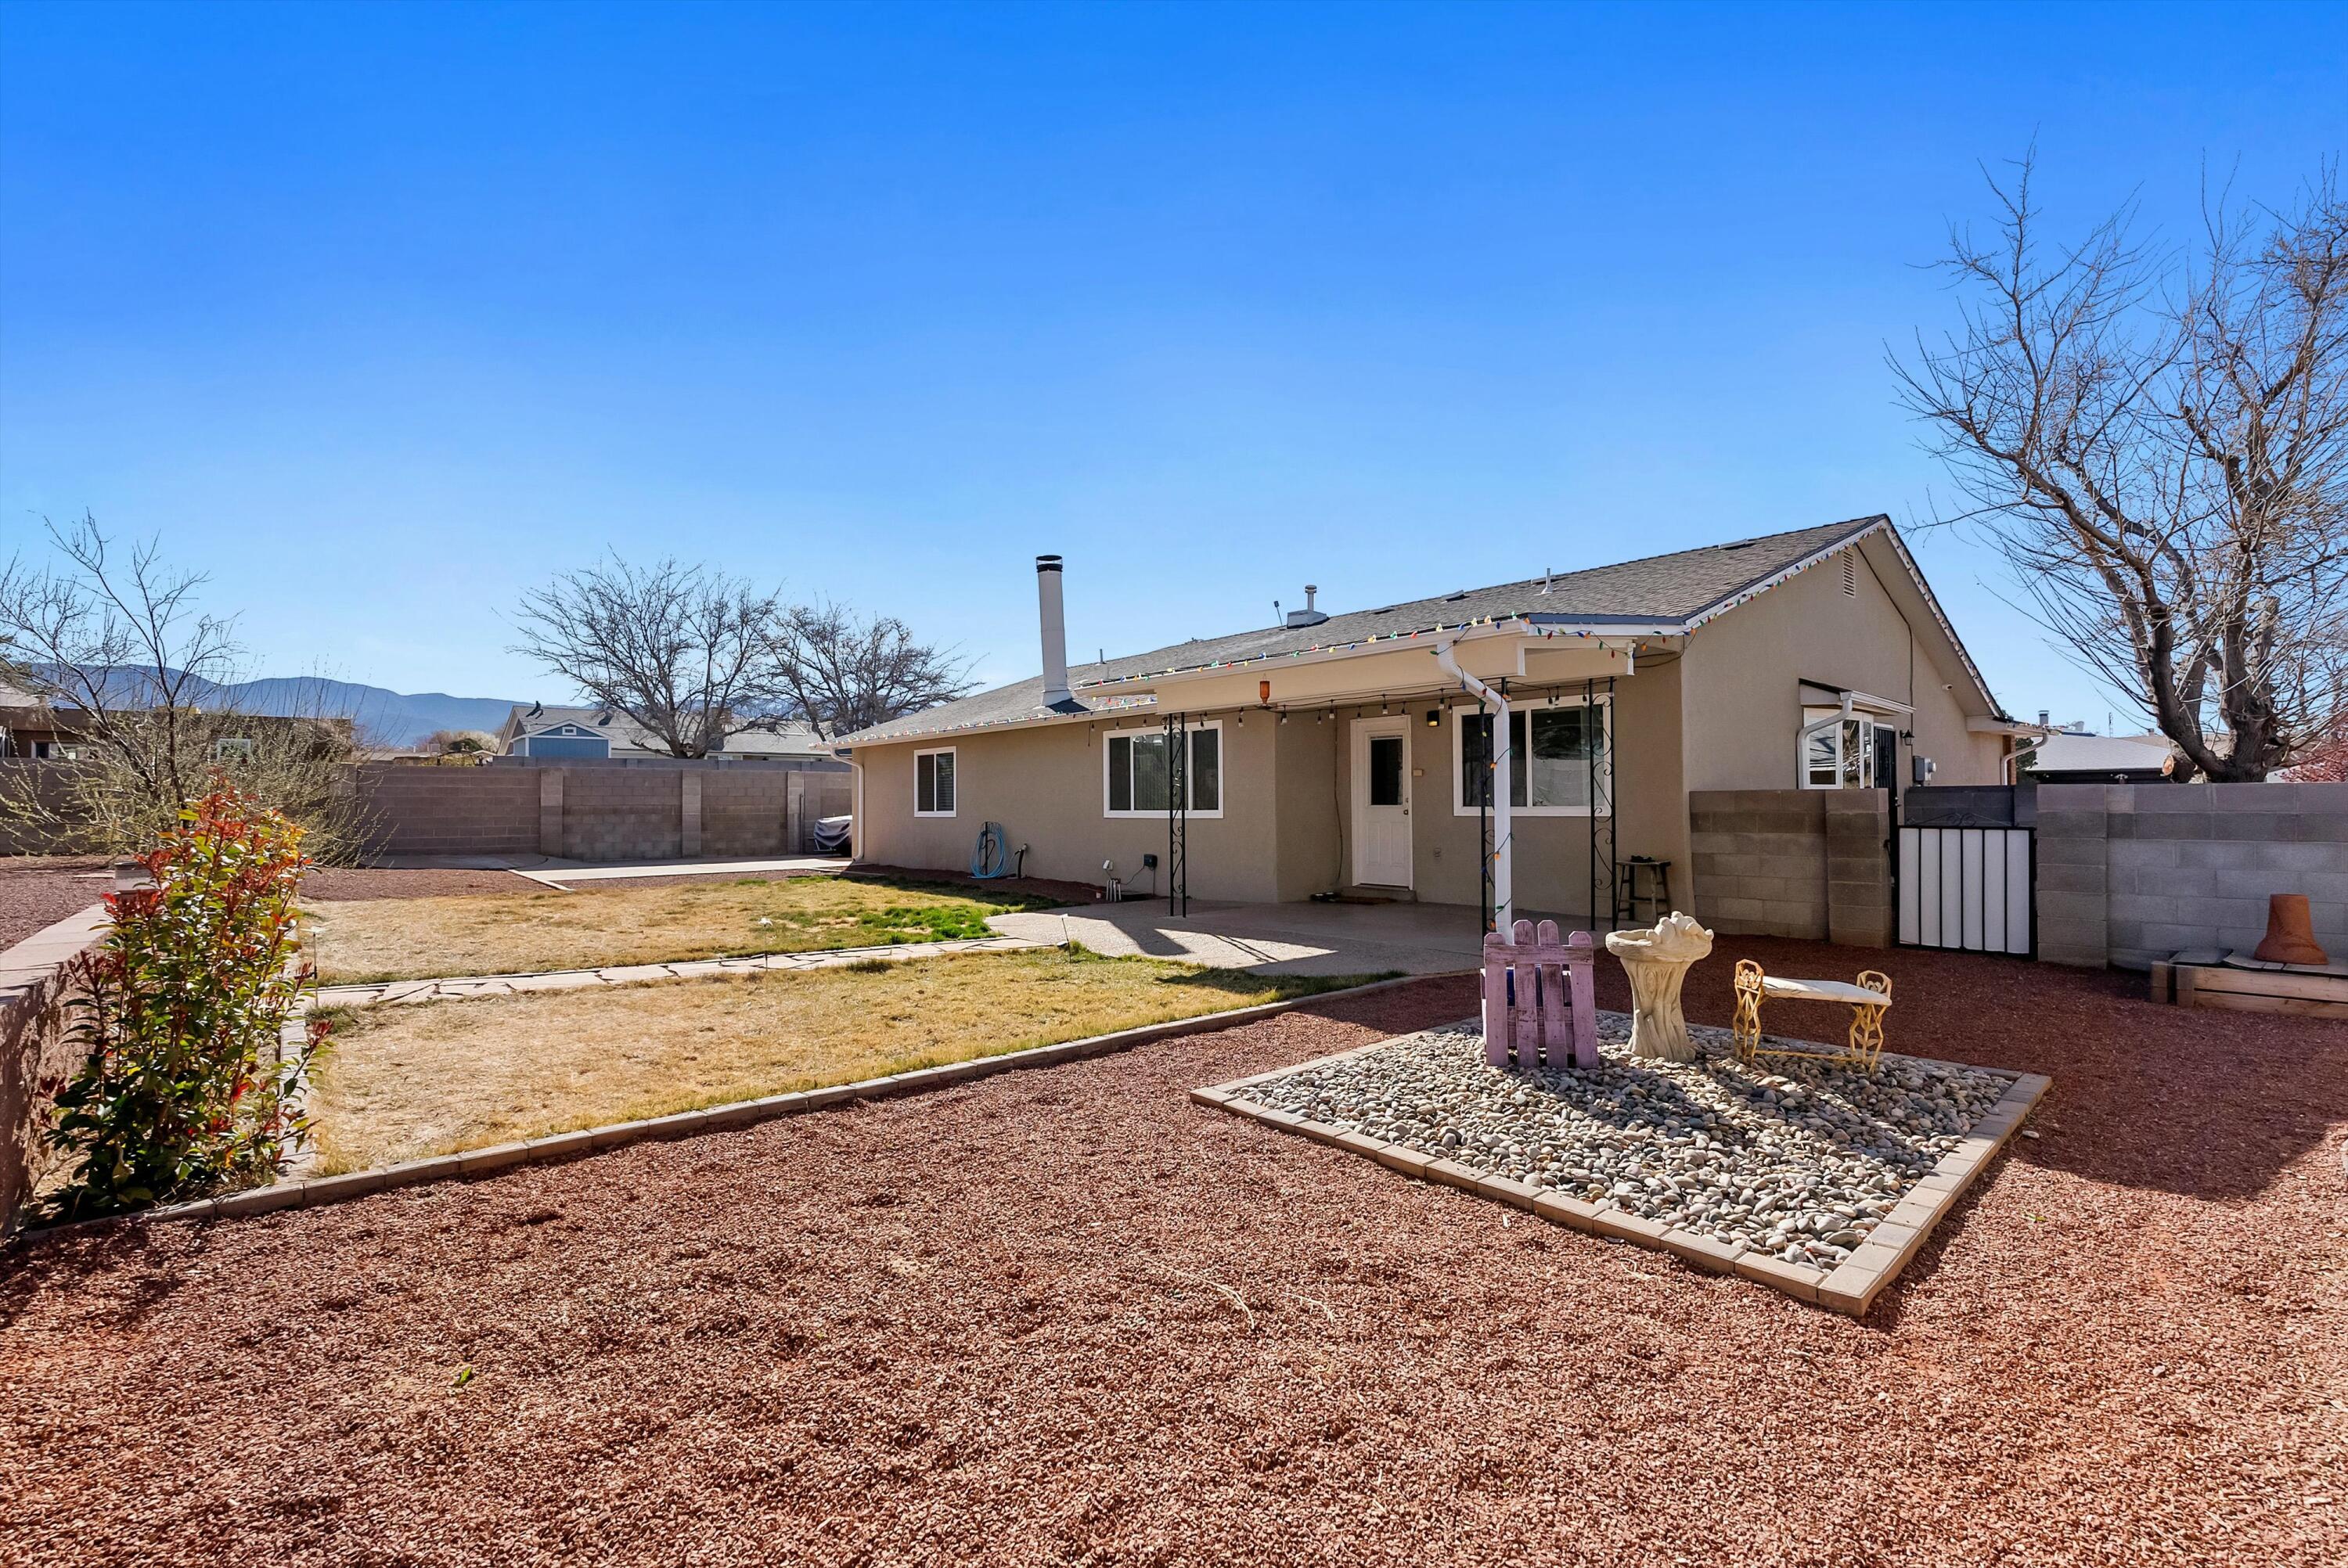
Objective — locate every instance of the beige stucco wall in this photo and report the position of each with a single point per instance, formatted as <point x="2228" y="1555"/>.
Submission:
<point x="1721" y="713"/>
<point x="1551" y="853"/>
<point x="1743" y="710"/>
<point x="1044" y="785"/>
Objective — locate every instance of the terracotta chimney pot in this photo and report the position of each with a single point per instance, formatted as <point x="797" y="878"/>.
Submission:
<point x="2291" y="933"/>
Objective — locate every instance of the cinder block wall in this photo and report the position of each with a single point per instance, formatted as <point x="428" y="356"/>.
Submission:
<point x="1858" y="866"/>
<point x="2129" y="874"/>
<point x="629" y="810"/>
<point x="622" y="814"/>
<point x="1811" y="864"/>
<point x="449" y="811"/>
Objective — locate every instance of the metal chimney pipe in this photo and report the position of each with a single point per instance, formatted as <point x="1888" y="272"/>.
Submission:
<point x="1053" y="621"/>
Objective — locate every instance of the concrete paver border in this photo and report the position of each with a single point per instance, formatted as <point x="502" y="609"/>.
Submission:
<point x="1852" y="1287"/>
<point x="318" y="1190"/>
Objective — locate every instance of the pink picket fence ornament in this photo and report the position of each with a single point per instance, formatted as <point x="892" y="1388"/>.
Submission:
<point x="1550" y="1013"/>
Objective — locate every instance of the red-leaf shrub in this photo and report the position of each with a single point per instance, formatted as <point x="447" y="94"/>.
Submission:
<point x="189" y="1084"/>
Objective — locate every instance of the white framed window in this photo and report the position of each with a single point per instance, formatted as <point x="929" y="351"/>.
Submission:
<point x="1838" y="752"/>
<point x="1555" y="753"/>
<point x="1133" y="772"/>
<point x="933" y="782"/>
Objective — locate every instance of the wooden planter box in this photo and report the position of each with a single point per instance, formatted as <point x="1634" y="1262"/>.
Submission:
<point x="2238" y="983"/>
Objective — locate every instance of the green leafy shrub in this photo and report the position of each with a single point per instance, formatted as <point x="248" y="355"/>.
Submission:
<point x="188" y="1084"/>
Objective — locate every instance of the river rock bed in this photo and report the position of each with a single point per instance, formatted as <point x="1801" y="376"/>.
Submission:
<point x="1795" y="1158"/>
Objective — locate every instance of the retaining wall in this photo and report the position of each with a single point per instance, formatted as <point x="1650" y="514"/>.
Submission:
<point x="2129" y="874"/>
<point x="1810" y="864"/>
<point x="35" y="1056"/>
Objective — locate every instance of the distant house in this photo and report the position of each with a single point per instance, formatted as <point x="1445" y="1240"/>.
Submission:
<point x="29" y="727"/>
<point x="32" y="728"/>
<point x="2069" y="756"/>
<point x="542" y="731"/>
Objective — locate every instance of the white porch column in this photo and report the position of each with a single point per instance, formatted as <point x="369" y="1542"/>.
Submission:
<point x="1504" y="860"/>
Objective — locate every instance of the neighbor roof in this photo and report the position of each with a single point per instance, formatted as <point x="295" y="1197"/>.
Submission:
<point x="795" y="740"/>
<point x="1675" y="592"/>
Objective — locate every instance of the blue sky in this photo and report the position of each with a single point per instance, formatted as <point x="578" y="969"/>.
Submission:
<point x="382" y="315"/>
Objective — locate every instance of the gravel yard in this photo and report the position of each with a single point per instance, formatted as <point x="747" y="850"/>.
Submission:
<point x="1066" y="1316"/>
<point x="1799" y="1159"/>
<point x="41" y="890"/>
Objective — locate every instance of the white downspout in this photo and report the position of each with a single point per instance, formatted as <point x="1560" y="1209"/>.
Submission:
<point x="1504" y="864"/>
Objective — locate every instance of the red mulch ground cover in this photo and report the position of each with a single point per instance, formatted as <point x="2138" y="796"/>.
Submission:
<point x="1064" y="1315"/>
<point x="41" y="890"/>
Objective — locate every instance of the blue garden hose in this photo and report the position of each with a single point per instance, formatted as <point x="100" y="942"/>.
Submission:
<point x="991" y="857"/>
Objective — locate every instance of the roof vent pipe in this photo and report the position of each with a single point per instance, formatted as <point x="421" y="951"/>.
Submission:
<point x="1308" y="616"/>
<point x="1053" y="621"/>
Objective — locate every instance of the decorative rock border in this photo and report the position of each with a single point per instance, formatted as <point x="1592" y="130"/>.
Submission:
<point x="1851" y="1287"/>
<point x="455" y="988"/>
<point x="318" y="1190"/>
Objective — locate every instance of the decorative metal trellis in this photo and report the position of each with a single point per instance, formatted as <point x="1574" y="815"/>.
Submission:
<point x="1178" y="814"/>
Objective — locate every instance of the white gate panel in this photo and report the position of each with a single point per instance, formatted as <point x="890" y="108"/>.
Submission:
<point x="1965" y="888"/>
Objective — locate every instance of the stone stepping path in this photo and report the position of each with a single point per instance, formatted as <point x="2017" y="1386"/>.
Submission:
<point x="627" y="974"/>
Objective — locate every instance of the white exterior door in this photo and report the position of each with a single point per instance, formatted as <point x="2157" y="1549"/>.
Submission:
<point x="1381" y="803"/>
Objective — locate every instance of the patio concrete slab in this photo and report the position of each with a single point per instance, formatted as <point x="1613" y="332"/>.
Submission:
<point x="1279" y="938"/>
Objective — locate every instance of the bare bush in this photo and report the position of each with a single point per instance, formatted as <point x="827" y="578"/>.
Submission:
<point x="114" y="644"/>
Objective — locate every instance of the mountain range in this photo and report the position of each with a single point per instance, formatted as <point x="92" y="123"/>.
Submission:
<point x="383" y="718"/>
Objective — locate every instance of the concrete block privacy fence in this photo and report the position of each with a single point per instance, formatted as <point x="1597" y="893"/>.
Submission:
<point x="650" y="808"/>
<point x="1809" y="864"/>
<point x="2129" y="874"/>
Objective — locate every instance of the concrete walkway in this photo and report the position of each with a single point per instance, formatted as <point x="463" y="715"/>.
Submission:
<point x="560" y="873"/>
<point x="553" y="871"/>
<point x="625" y="974"/>
<point x="1279" y="938"/>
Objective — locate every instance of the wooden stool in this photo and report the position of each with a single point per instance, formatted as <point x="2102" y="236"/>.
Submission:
<point x="1869" y="1000"/>
<point x="1658" y="896"/>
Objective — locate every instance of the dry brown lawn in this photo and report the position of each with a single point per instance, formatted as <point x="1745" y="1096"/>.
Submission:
<point x="406" y="1081"/>
<point x="523" y="933"/>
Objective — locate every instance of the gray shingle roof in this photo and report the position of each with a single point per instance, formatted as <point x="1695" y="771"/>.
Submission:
<point x="790" y="740"/>
<point x="1669" y="588"/>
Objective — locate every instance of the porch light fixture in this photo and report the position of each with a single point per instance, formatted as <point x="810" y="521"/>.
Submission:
<point x="1434" y="718"/>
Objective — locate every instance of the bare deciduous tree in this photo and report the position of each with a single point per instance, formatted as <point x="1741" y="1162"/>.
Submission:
<point x="847" y="673"/>
<point x="687" y="652"/>
<point x="115" y="646"/>
<point x="2158" y="447"/>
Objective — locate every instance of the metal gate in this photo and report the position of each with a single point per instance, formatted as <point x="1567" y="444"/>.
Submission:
<point x="1967" y="888"/>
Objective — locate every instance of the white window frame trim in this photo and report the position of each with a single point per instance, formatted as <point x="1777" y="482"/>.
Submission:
<point x="1462" y="806"/>
<point x="1854" y="711"/>
<point x="1222" y="772"/>
<point x="937" y="752"/>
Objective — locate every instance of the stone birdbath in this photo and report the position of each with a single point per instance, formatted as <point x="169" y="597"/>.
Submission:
<point x="1657" y="961"/>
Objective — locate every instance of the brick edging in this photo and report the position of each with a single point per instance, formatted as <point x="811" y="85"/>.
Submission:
<point x="319" y="1190"/>
<point x="1851" y="1287"/>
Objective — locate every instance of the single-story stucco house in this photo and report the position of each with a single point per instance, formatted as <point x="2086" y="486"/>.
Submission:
<point x="1349" y="751"/>
<point x="540" y="730"/>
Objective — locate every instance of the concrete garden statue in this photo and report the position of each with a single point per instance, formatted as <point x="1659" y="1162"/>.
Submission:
<point x="1657" y="961"/>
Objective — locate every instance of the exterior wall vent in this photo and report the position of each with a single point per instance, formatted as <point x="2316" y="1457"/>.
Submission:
<point x="1850" y="577"/>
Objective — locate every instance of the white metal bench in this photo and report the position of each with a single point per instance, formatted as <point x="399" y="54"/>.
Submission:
<point x="1869" y="1000"/>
